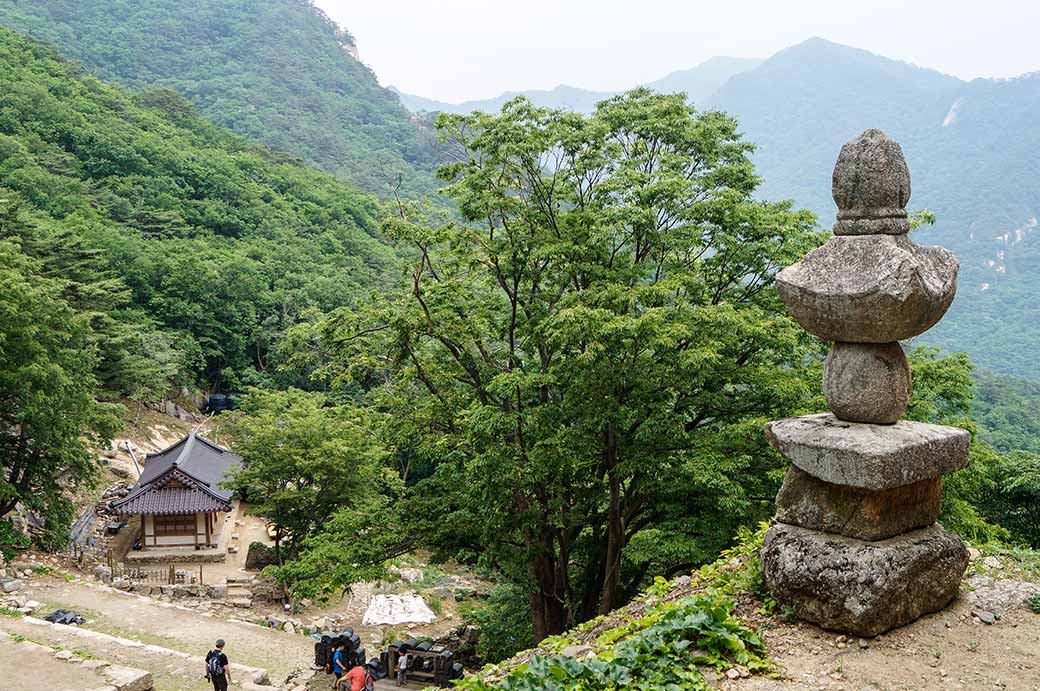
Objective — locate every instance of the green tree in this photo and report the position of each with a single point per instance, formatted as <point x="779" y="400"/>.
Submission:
<point x="48" y="413"/>
<point x="943" y="390"/>
<point x="304" y="461"/>
<point x="589" y="357"/>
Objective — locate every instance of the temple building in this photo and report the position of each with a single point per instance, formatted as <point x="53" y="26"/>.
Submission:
<point x="179" y="497"/>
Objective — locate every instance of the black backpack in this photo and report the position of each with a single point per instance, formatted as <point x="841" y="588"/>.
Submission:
<point x="214" y="667"/>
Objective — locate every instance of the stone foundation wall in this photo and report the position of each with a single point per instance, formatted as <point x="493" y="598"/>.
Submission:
<point x="198" y="557"/>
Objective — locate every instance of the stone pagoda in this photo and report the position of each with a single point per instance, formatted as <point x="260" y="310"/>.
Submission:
<point x="857" y="547"/>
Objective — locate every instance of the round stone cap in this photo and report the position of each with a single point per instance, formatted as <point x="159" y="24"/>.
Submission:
<point x="871" y="186"/>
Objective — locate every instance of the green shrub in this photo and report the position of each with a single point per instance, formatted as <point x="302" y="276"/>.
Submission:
<point x="504" y="620"/>
<point x="664" y="650"/>
<point x="260" y="556"/>
<point x="11" y="541"/>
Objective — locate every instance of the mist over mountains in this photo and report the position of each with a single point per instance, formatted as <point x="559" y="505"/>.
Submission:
<point x="971" y="148"/>
<point x="698" y="83"/>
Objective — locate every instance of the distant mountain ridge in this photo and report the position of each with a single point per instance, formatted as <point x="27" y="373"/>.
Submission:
<point x="971" y="148"/>
<point x="971" y="151"/>
<point x="698" y="83"/>
<point x="562" y="96"/>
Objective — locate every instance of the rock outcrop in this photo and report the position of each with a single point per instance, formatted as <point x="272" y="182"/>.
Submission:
<point x="857" y="547"/>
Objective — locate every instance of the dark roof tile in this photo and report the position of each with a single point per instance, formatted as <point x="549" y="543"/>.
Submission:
<point x="198" y="463"/>
<point x="163" y="501"/>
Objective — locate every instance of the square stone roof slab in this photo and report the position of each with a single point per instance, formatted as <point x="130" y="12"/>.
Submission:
<point x="873" y="457"/>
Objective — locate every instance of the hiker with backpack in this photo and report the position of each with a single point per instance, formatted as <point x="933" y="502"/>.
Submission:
<point x="218" y="669"/>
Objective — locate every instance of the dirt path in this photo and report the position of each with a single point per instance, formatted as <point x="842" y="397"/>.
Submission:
<point x="26" y="667"/>
<point x="191" y="632"/>
<point x="168" y="673"/>
<point x="942" y="652"/>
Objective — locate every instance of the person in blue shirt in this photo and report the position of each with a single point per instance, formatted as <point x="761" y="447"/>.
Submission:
<point x="339" y="662"/>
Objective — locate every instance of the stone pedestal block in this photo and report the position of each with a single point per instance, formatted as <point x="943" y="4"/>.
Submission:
<point x="862" y="588"/>
<point x="869" y="456"/>
<point x="859" y="513"/>
<point x="869" y="288"/>
<point x="866" y="382"/>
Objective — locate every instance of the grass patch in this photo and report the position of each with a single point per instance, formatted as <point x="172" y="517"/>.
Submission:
<point x="437" y="605"/>
<point x="7" y="612"/>
<point x="1019" y="563"/>
<point x="432" y="576"/>
<point x="661" y="650"/>
<point x="1034" y="603"/>
<point x="49" y="570"/>
<point x="84" y="654"/>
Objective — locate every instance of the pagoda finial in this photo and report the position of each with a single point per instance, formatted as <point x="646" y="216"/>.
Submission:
<point x="871" y="186"/>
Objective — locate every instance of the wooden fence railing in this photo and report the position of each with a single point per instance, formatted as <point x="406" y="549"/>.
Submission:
<point x="161" y="575"/>
<point x="167" y="574"/>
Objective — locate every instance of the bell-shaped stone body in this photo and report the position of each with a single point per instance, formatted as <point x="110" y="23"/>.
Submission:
<point x="871" y="186"/>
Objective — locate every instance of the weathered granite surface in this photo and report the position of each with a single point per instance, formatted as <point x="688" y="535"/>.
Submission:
<point x="871" y="186"/>
<point x="863" y="588"/>
<point x="854" y="512"/>
<point x="869" y="288"/>
<point x="869" y="456"/>
<point x="857" y="548"/>
<point x="867" y="382"/>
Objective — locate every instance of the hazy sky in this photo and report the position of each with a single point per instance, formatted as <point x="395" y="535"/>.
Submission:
<point x="454" y="50"/>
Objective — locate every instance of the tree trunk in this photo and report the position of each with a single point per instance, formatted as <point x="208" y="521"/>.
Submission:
<point x="548" y="607"/>
<point x="615" y="529"/>
<point x="592" y="578"/>
<point x="612" y="559"/>
<point x="538" y="629"/>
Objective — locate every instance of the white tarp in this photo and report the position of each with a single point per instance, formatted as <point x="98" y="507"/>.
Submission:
<point x="397" y="609"/>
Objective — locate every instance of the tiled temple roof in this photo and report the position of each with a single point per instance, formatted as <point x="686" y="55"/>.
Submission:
<point x="198" y="465"/>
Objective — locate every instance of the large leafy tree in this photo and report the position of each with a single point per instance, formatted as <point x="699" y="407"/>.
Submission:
<point x="304" y="461"/>
<point x="48" y="413"/>
<point x="587" y="359"/>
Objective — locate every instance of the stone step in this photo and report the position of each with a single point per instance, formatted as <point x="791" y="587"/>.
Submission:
<point x="244" y="602"/>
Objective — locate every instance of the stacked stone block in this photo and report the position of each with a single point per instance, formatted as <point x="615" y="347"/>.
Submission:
<point x="857" y="547"/>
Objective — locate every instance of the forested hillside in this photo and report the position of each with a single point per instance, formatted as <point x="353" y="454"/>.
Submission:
<point x="191" y="249"/>
<point x="277" y="71"/>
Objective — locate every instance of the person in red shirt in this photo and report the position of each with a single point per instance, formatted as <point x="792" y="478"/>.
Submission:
<point x="356" y="677"/>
